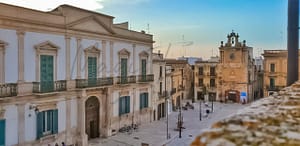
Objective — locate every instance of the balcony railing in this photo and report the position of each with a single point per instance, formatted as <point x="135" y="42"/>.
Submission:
<point x="274" y="88"/>
<point x="181" y="88"/>
<point x="212" y="74"/>
<point x="8" y="90"/>
<point x="94" y="82"/>
<point x="173" y="91"/>
<point x="163" y="94"/>
<point x="146" y="78"/>
<point x="52" y="86"/>
<point x="126" y="79"/>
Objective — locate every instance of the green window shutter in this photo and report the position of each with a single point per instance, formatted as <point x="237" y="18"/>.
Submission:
<point x="2" y="132"/>
<point x="55" y="121"/>
<point x="144" y="67"/>
<point x="123" y="70"/>
<point x="120" y="106"/>
<point x="92" y="70"/>
<point x="127" y="102"/>
<point x="49" y="120"/>
<point x="46" y="73"/>
<point x="141" y="101"/>
<point x="146" y="99"/>
<point x="39" y="126"/>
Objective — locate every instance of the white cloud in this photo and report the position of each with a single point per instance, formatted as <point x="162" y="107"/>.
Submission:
<point x="45" y="5"/>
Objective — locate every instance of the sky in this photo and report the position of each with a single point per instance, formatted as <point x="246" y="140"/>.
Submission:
<point x="192" y="27"/>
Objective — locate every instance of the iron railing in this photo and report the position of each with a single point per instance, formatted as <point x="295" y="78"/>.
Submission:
<point x="173" y="91"/>
<point x="49" y="86"/>
<point x="162" y="94"/>
<point x="146" y="78"/>
<point x="126" y="79"/>
<point x="8" y="90"/>
<point x="94" y="82"/>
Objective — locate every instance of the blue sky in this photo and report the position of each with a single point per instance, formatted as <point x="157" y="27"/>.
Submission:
<point x="262" y="23"/>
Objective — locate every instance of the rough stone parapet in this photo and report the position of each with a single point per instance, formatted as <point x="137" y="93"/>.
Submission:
<point x="273" y="120"/>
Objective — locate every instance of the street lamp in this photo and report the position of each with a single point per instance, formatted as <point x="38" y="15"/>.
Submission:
<point x="166" y="100"/>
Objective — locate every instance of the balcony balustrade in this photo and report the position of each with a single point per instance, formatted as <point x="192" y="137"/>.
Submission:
<point x="126" y="79"/>
<point x="146" y="78"/>
<point x="51" y="86"/>
<point x="94" y="82"/>
<point x="163" y="94"/>
<point x="173" y="91"/>
<point x="8" y="90"/>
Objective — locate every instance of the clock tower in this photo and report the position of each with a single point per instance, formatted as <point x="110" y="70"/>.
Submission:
<point x="236" y="70"/>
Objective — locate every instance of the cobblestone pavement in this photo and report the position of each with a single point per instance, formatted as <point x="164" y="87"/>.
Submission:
<point x="154" y="133"/>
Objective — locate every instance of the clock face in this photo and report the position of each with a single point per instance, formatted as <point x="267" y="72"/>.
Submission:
<point x="231" y="56"/>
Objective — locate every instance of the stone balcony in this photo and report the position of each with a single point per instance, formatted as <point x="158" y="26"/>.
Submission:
<point x="8" y="90"/>
<point x="272" y="120"/>
<point x="97" y="82"/>
<point x="52" y="86"/>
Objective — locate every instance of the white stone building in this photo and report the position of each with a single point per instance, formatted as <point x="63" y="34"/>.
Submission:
<point x="70" y="75"/>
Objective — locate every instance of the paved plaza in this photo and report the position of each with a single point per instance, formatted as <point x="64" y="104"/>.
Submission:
<point x="154" y="133"/>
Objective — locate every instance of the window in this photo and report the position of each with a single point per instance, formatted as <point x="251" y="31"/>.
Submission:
<point x="144" y="66"/>
<point x="200" y="70"/>
<point x="47" y="123"/>
<point x="143" y="100"/>
<point x="160" y="87"/>
<point x="2" y="60"/>
<point x="46" y="73"/>
<point x="160" y="71"/>
<point x="2" y="132"/>
<point x="212" y="83"/>
<point x="272" y="83"/>
<point x="123" y="70"/>
<point x="200" y="82"/>
<point x="92" y="71"/>
<point x="212" y="71"/>
<point x="124" y="105"/>
<point x="272" y="67"/>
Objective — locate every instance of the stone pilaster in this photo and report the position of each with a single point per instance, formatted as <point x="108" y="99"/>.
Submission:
<point x="2" y="63"/>
<point x="83" y="139"/>
<point x="20" y="35"/>
<point x="78" y="56"/>
<point x="111" y="46"/>
<point x="133" y="59"/>
<point x="21" y="123"/>
<point x="69" y="138"/>
<point x="150" y="61"/>
<point x="68" y="66"/>
<point x="103" y="58"/>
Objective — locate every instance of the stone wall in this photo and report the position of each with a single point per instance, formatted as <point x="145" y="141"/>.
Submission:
<point x="272" y="120"/>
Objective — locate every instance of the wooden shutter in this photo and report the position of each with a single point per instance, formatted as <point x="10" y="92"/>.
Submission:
<point x="120" y="106"/>
<point x="2" y="132"/>
<point x="146" y="100"/>
<point x="55" y="121"/>
<point x="92" y="70"/>
<point x="123" y="70"/>
<point x="127" y="103"/>
<point x="39" y="125"/>
<point x="141" y="100"/>
<point x="144" y="69"/>
<point x="46" y="73"/>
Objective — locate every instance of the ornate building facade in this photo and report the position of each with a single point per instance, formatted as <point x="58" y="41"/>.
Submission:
<point x="275" y="70"/>
<point x="236" y="69"/>
<point x="70" y="75"/>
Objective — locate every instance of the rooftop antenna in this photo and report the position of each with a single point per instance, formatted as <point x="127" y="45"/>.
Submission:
<point x="148" y="28"/>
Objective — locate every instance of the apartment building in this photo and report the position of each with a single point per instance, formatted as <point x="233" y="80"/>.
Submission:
<point x="275" y="70"/>
<point x="160" y="92"/>
<point x="70" y="75"/>
<point x="206" y="79"/>
<point x="180" y="82"/>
